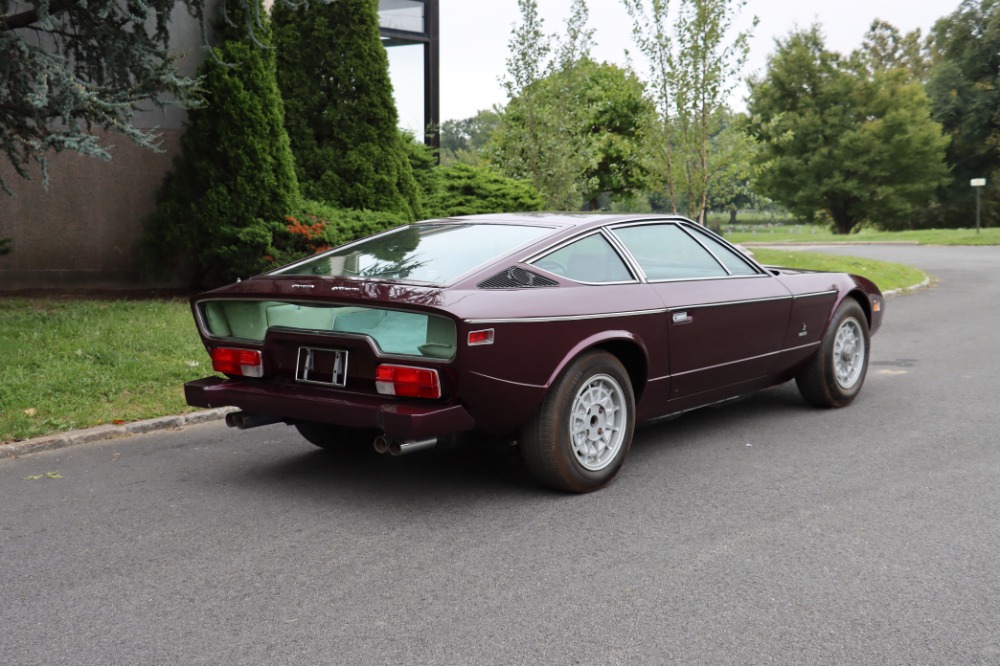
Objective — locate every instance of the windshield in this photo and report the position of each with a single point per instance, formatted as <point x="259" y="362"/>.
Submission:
<point x="434" y="253"/>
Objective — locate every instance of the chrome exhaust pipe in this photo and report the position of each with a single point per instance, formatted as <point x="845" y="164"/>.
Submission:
<point x="398" y="448"/>
<point x="244" y="420"/>
<point x="381" y="444"/>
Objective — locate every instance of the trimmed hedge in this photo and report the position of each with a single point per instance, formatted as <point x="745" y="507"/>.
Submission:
<point x="467" y="190"/>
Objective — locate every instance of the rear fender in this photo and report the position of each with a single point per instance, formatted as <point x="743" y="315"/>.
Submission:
<point x="625" y="346"/>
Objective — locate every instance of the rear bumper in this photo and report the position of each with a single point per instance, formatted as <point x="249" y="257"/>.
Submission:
<point x="396" y="419"/>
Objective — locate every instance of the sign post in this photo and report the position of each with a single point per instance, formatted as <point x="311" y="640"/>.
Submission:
<point x="977" y="183"/>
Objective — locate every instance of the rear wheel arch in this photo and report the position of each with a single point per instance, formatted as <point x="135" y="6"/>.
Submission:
<point x="629" y="351"/>
<point x="633" y="357"/>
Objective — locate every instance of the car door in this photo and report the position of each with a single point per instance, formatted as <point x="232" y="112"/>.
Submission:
<point x="726" y="318"/>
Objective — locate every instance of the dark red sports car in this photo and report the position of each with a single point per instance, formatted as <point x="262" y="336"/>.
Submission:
<point x="559" y="332"/>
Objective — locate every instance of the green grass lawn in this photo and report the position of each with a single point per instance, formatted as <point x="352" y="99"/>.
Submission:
<point x="67" y="363"/>
<point x="814" y="234"/>
<point x="885" y="274"/>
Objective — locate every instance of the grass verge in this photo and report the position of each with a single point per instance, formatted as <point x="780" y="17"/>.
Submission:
<point x="68" y="364"/>
<point x="885" y="274"/>
<point x="815" y="234"/>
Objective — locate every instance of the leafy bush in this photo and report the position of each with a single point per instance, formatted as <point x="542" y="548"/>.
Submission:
<point x="317" y="226"/>
<point x="467" y="190"/>
<point x="235" y="177"/>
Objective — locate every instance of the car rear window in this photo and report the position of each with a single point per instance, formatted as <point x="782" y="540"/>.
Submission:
<point x="427" y="253"/>
<point x="392" y="331"/>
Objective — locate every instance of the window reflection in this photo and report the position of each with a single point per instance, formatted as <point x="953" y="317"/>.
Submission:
<point x="434" y="253"/>
<point x="407" y="15"/>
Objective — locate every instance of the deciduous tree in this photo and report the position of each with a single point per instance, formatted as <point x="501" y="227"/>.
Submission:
<point x="964" y="87"/>
<point x="695" y="61"/>
<point x="842" y="140"/>
<point x="572" y="126"/>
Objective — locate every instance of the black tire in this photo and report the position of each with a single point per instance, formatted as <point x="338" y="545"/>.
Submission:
<point x="819" y="382"/>
<point x="547" y="443"/>
<point x="336" y="438"/>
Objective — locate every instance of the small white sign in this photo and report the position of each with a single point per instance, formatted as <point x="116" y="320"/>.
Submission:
<point x="978" y="182"/>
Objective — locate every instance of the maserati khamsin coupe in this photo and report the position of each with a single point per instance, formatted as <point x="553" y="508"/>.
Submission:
<point x="558" y="332"/>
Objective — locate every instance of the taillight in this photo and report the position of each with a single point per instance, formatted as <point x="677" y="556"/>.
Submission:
<point x="242" y="362"/>
<point x="407" y="381"/>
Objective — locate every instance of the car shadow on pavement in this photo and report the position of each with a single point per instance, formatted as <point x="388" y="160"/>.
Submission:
<point x="454" y="474"/>
<point x="477" y="469"/>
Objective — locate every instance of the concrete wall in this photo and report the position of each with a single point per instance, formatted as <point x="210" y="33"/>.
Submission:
<point x="83" y="232"/>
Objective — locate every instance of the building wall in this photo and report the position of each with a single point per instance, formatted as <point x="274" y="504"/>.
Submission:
<point x="83" y="232"/>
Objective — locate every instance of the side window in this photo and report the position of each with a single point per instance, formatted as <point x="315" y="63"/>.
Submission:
<point x="732" y="260"/>
<point x="666" y="252"/>
<point x="590" y="259"/>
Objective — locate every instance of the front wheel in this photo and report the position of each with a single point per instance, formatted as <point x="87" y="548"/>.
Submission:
<point x="834" y="376"/>
<point x="578" y="439"/>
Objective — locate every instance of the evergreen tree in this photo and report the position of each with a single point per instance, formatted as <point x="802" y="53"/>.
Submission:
<point x="340" y="114"/>
<point x="234" y="181"/>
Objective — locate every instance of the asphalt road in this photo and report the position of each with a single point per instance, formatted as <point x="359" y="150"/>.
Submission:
<point x="765" y="532"/>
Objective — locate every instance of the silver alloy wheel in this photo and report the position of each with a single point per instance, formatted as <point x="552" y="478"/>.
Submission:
<point x="598" y="422"/>
<point x="849" y="353"/>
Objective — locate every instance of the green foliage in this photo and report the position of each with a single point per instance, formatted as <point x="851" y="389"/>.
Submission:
<point x="234" y="179"/>
<point x="423" y="163"/>
<point x="463" y="140"/>
<point x="885" y="48"/>
<point x="964" y="87"/>
<point x="315" y="226"/>
<point x="695" y="60"/>
<point x="70" y="68"/>
<point x="339" y="111"/>
<point x="856" y="144"/>
<point x="468" y="190"/>
<point x="72" y="363"/>
<point x="572" y="126"/>
<point x="576" y="134"/>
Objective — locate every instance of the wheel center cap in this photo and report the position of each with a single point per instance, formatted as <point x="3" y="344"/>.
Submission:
<point x="598" y="423"/>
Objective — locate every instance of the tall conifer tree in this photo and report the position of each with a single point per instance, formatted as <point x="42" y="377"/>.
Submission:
<point x="340" y="114"/>
<point x="235" y="178"/>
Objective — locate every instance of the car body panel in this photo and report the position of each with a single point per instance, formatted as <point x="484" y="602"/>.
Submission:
<point x="684" y="342"/>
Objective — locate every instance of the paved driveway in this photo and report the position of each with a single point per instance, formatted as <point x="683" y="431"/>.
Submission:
<point x="763" y="532"/>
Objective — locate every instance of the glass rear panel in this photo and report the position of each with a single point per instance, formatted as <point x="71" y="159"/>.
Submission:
<point x="429" y="253"/>
<point x="394" y="332"/>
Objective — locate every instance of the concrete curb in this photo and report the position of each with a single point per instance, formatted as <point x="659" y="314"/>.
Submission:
<point x="106" y="432"/>
<point x="905" y="290"/>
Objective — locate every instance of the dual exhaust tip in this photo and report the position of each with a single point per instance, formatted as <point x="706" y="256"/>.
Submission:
<point x="382" y="444"/>
<point x="397" y="447"/>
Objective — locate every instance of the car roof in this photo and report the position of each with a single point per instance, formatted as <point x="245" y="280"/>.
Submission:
<point x="547" y="219"/>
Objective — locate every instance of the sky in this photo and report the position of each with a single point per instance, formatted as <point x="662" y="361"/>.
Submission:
<point x="474" y="35"/>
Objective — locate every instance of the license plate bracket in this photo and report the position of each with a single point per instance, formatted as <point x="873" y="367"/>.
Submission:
<point x="326" y="367"/>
